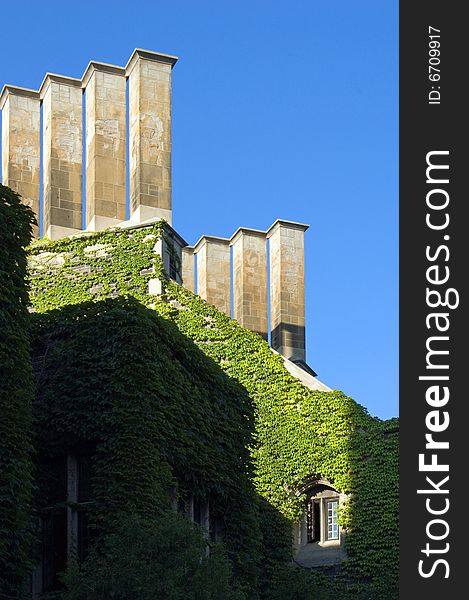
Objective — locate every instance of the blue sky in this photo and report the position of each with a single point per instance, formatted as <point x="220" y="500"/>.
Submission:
<point x="280" y="110"/>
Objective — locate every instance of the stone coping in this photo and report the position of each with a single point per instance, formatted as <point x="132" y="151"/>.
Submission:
<point x="54" y="78"/>
<point x="149" y="55"/>
<point x="125" y="225"/>
<point x="93" y="65"/>
<point x="210" y="238"/>
<point x="287" y="224"/>
<point x="16" y="91"/>
<point x="246" y="231"/>
<point x="128" y="225"/>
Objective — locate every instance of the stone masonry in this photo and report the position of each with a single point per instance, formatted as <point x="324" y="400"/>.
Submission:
<point x="213" y="271"/>
<point x="250" y="279"/>
<point x="287" y="289"/>
<point x="188" y="268"/>
<point x="62" y="155"/>
<point x="21" y="144"/>
<point x="147" y="115"/>
<point x="150" y="135"/>
<point x="105" y="88"/>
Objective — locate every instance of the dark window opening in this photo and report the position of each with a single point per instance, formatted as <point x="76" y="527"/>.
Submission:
<point x="181" y="507"/>
<point x="313" y="521"/>
<point x="85" y="535"/>
<point x="54" y="549"/>
<point x="197" y="511"/>
<point x="173" y="273"/>
<point x="53" y="479"/>
<point x="84" y="478"/>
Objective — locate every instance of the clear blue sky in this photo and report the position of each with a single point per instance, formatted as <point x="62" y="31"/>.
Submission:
<point x="281" y="110"/>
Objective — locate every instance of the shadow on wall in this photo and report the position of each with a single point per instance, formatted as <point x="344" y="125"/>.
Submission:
<point x="132" y="420"/>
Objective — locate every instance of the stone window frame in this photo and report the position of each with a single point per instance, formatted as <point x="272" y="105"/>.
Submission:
<point x="323" y="499"/>
<point x="323" y="491"/>
<point x="196" y="509"/>
<point x="72" y="507"/>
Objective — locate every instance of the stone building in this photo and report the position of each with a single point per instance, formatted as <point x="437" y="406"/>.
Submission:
<point x="255" y="277"/>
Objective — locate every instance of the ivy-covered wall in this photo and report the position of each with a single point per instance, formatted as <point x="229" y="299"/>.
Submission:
<point x="16" y="391"/>
<point x="216" y="410"/>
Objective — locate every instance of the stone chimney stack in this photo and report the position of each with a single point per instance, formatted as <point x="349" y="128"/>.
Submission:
<point x="188" y="268"/>
<point x="250" y="279"/>
<point x="287" y="289"/>
<point x="149" y="76"/>
<point x="105" y="88"/>
<point x="213" y="271"/>
<point x="62" y="155"/>
<point x="21" y="123"/>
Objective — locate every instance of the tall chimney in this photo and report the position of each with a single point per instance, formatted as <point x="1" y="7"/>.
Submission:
<point x="213" y="271"/>
<point x="150" y="135"/>
<point x="250" y="279"/>
<point x="105" y="87"/>
<point x="21" y="144"/>
<point x="287" y="289"/>
<point x="62" y="155"/>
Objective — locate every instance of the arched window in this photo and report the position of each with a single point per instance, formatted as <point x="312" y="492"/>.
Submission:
<point x="318" y="535"/>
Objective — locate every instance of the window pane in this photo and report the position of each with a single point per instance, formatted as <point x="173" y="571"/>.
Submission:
<point x="332" y="520"/>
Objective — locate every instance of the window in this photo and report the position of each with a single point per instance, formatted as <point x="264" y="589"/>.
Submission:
<point x="173" y="272"/>
<point x="196" y="509"/>
<point x="65" y="522"/>
<point x="330" y="510"/>
<point x="317" y="535"/>
<point x="332" y="532"/>
<point x="54" y="548"/>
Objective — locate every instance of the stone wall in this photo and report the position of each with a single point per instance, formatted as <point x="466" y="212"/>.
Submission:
<point x="148" y="159"/>
<point x="100" y="265"/>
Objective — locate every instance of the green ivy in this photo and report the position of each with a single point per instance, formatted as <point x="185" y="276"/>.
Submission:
<point x="16" y="390"/>
<point x="220" y="413"/>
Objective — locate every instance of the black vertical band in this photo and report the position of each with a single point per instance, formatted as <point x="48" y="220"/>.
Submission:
<point x="434" y="268"/>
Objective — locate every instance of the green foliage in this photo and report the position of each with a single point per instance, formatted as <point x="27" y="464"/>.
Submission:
<point x="123" y="362"/>
<point x="156" y="409"/>
<point x="94" y="266"/>
<point x="167" y="561"/>
<point x="16" y="389"/>
<point x="301" y="434"/>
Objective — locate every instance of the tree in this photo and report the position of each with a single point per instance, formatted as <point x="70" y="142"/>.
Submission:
<point x="167" y="560"/>
<point x="16" y="391"/>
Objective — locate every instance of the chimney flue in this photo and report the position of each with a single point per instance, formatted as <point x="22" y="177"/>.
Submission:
<point x="150" y="135"/>
<point x="213" y="271"/>
<point x="250" y="279"/>
<point x="21" y="144"/>
<point x="287" y="289"/>
<point x="62" y="155"/>
<point x="105" y="87"/>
